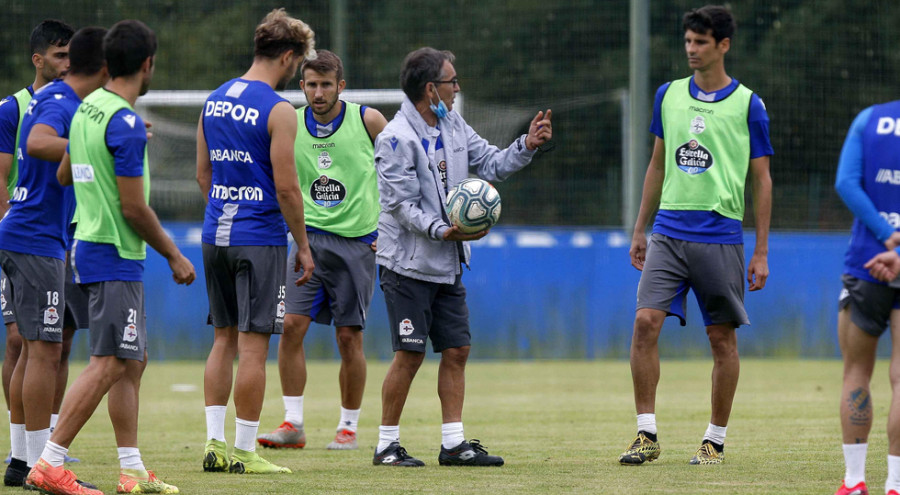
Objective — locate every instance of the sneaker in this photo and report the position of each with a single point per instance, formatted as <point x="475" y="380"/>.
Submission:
<point x="707" y="454"/>
<point x="642" y="450"/>
<point x="344" y="440"/>
<point x="56" y="481"/>
<point x="469" y="453"/>
<point x="859" y="489"/>
<point x="16" y="473"/>
<point x="8" y="458"/>
<point x="215" y="456"/>
<point x="243" y="462"/>
<point x="286" y="436"/>
<point x="71" y="459"/>
<point x="141" y="481"/>
<point x="395" y="455"/>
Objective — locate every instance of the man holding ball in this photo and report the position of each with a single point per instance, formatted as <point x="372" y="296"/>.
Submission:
<point x="423" y="152"/>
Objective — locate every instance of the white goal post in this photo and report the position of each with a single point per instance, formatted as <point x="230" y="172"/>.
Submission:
<point x="196" y="98"/>
<point x="173" y="147"/>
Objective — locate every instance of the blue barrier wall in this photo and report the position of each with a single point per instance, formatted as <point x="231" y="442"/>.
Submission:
<point x="550" y="293"/>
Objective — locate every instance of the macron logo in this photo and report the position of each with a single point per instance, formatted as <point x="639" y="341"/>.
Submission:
<point x="130" y="120"/>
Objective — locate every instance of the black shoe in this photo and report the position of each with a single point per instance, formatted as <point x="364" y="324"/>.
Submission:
<point x="16" y="473"/>
<point x="395" y="455"/>
<point x="468" y="454"/>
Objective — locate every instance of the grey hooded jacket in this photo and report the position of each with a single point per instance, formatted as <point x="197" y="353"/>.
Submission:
<point x="413" y="217"/>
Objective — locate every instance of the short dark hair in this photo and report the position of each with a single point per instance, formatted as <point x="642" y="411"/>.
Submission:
<point x="127" y="44"/>
<point x="421" y="67"/>
<point x="50" y="32"/>
<point x="326" y="61"/>
<point x="86" y="51"/>
<point x="714" y="18"/>
<point x="279" y="32"/>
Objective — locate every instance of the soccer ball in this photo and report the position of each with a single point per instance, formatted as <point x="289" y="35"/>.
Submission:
<point x="473" y="205"/>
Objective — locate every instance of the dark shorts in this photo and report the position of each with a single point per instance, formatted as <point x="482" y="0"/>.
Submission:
<point x="37" y="284"/>
<point x="6" y="302"/>
<point x="341" y="286"/>
<point x="76" y="315"/>
<point x="715" y="272"/>
<point x="245" y="285"/>
<point x="117" y="321"/>
<point x="870" y="303"/>
<point x="418" y="310"/>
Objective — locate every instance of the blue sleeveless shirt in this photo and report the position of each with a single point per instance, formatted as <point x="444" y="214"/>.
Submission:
<point x="880" y="143"/>
<point x="242" y="208"/>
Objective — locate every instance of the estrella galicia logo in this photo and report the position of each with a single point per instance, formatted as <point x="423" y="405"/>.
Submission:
<point x="693" y="158"/>
<point x="327" y="192"/>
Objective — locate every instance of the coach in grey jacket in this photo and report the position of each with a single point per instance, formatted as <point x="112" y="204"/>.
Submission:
<point x="423" y="152"/>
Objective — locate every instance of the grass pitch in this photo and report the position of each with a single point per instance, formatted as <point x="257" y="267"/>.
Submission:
<point x="560" y="425"/>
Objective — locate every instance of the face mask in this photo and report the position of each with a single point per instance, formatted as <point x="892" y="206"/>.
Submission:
<point x="440" y="110"/>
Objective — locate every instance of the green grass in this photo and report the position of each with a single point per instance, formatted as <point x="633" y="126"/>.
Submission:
<point x="560" y="425"/>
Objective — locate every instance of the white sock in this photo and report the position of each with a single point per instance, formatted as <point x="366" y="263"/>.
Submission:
<point x="893" y="477"/>
<point x="215" y="422"/>
<point x="715" y="434"/>
<point x="647" y="422"/>
<point x="35" y="442"/>
<point x="54" y="455"/>
<point x="855" y="463"/>
<point x="130" y="458"/>
<point x="54" y="418"/>
<point x="17" y="442"/>
<point x="349" y="420"/>
<point x="452" y="434"/>
<point x="386" y="436"/>
<point x="245" y="434"/>
<point x="293" y="409"/>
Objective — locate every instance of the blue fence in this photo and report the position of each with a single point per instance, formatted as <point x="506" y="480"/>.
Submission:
<point x="549" y="293"/>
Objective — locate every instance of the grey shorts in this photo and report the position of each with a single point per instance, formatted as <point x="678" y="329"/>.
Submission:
<point x="76" y="315"/>
<point x="418" y="310"/>
<point x="341" y="286"/>
<point x="6" y="302"/>
<point x="715" y="272"/>
<point x="117" y="321"/>
<point x="245" y="285"/>
<point x="870" y="303"/>
<point x="37" y="284"/>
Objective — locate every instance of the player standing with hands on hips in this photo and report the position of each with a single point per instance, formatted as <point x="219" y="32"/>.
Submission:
<point x="709" y="130"/>
<point x="423" y="152"/>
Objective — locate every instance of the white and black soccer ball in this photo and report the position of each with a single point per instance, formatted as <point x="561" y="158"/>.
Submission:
<point x="473" y="205"/>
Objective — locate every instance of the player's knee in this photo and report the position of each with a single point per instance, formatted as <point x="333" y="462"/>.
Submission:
<point x="456" y="355"/>
<point x="13" y="344"/>
<point x="349" y="341"/>
<point x="646" y="327"/>
<point x="723" y="344"/>
<point x="408" y="361"/>
<point x="110" y="369"/>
